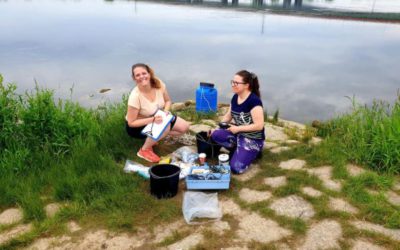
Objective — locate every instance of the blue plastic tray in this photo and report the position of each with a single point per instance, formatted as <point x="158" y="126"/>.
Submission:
<point x="221" y="183"/>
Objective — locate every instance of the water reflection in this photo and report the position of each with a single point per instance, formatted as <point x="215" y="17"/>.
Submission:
<point x="305" y="65"/>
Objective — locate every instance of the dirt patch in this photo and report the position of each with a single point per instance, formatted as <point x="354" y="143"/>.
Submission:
<point x="323" y="235"/>
<point x="341" y="205"/>
<point x="254" y="169"/>
<point x="362" y="244"/>
<point x="293" y="164"/>
<point x="252" y="196"/>
<point x="293" y="206"/>
<point x="218" y="227"/>
<point x="311" y="192"/>
<point x="275" y="182"/>
<point x="393" y="198"/>
<point x="324" y="173"/>
<point x="14" y="232"/>
<point x="354" y="170"/>
<point x="363" y="225"/>
<point x="253" y="227"/>
<point x="188" y="242"/>
<point x="10" y="216"/>
<point x="163" y="231"/>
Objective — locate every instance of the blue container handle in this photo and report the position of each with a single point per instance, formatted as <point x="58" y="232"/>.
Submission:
<point x="207" y="84"/>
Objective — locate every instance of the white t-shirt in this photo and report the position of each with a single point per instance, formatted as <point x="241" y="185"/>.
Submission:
<point x="146" y="107"/>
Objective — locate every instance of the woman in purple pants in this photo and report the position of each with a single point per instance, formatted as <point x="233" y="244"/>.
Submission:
<point x="245" y="139"/>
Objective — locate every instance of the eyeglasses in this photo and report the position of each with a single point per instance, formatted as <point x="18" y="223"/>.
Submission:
<point x="235" y="83"/>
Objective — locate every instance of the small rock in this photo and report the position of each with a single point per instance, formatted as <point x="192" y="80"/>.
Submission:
<point x="253" y="170"/>
<point x="10" y="216"/>
<point x="391" y="233"/>
<point x="275" y="182"/>
<point x="253" y="227"/>
<point x="393" y="198"/>
<point x="252" y="196"/>
<point x="293" y="206"/>
<point x="341" y="205"/>
<point x="190" y="102"/>
<point x="14" y="232"/>
<point x="199" y="128"/>
<point x="279" y="149"/>
<point x="51" y="209"/>
<point x="354" y="170"/>
<point x="178" y="106"/>
<point x="293" y="164"/>
<point x="311" y="192"/>
<point x="362" y="244"/>
<point x="188" y="242"/>
<point x="323" y="235"/>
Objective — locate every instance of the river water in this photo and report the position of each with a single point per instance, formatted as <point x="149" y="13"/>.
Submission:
<point x="306" y="66"/>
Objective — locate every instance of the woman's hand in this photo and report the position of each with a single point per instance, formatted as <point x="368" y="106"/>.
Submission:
<point x="158" y="119"/>
<point x="234" y="129"/>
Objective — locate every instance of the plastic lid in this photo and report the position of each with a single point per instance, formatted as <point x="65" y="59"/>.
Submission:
<point x="207" y="84"/>
<point x="223" y="157"/>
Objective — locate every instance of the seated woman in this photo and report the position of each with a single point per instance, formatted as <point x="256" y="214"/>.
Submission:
<point x="149" y="95"/>
<point x="245" y="139"/>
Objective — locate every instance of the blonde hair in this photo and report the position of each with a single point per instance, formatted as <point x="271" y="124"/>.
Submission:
<point x="154" y="81"/>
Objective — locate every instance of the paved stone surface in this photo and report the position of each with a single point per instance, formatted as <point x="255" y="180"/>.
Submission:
<point x="292" y="124"/>
<point x="14" y="232"/>
<point x="311" y="192"/>
<point x="210" y="122"/>
<point x="219" y="227"/>
<point x="293" y="206"/>
<point x="253" y="170"/>
<point x="362" y="244"/>
<point x="73" y="226"/>
<point x="253" y="227"/>
<point x="51" y="209"/>
<point x="177" y="106"/>
<point x="269" y="145"/>
<point x="292" y="142"/>
<point x="163" y="231"/>
<point x="293" y="164"/>
<point x="10" y="216"/>
<point x="54" y="243"/>
<point x="354" y="170"/>
<point x="341" y="205"/>
<point x="228" y="206"/>
<point x="363" y="225"/>
<point x="396" y="186"/>
<point x="393" y="198"/>
<point x="315" y="140"/>
<point x="251" y="196"/>
<point x="323" y="235"/>
<point x="324" y="173"/>
<point x="188" y="242"/>
<point x="275" y="133"/>
<point x="275" y="182"/>
<point x="278" y="150"/>
<point x="199" y="127"/>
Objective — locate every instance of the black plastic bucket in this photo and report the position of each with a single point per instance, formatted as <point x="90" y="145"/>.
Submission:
<point x="164" y="180"/>
<point x="206" y="145"/>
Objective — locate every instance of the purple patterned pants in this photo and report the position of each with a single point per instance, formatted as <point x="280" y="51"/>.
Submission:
<point x="244" y="150"/>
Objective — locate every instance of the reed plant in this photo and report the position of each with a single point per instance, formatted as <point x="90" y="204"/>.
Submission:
<point x="369" y="135"/>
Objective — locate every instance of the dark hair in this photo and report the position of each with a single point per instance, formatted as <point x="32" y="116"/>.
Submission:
<point x="154" y="81"/>
<point x="252" y="80"/>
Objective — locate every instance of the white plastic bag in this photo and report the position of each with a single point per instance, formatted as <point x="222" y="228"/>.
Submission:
<point x="131" y="166"/>
<point x="186" y="154"/>
<point x="200" y="205"/>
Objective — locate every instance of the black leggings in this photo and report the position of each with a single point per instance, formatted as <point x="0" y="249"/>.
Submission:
<point x="136" y="132"/>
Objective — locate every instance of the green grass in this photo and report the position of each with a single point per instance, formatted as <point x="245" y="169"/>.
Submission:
<point x="368" y="135"/>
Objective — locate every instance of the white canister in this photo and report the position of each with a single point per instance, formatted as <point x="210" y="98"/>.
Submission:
<point x="223" y="159"/>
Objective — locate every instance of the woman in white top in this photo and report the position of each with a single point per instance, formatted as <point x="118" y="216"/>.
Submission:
<point x="149" y="95"/>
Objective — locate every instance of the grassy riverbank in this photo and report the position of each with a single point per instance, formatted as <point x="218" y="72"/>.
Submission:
<point x="58" y="151"/>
